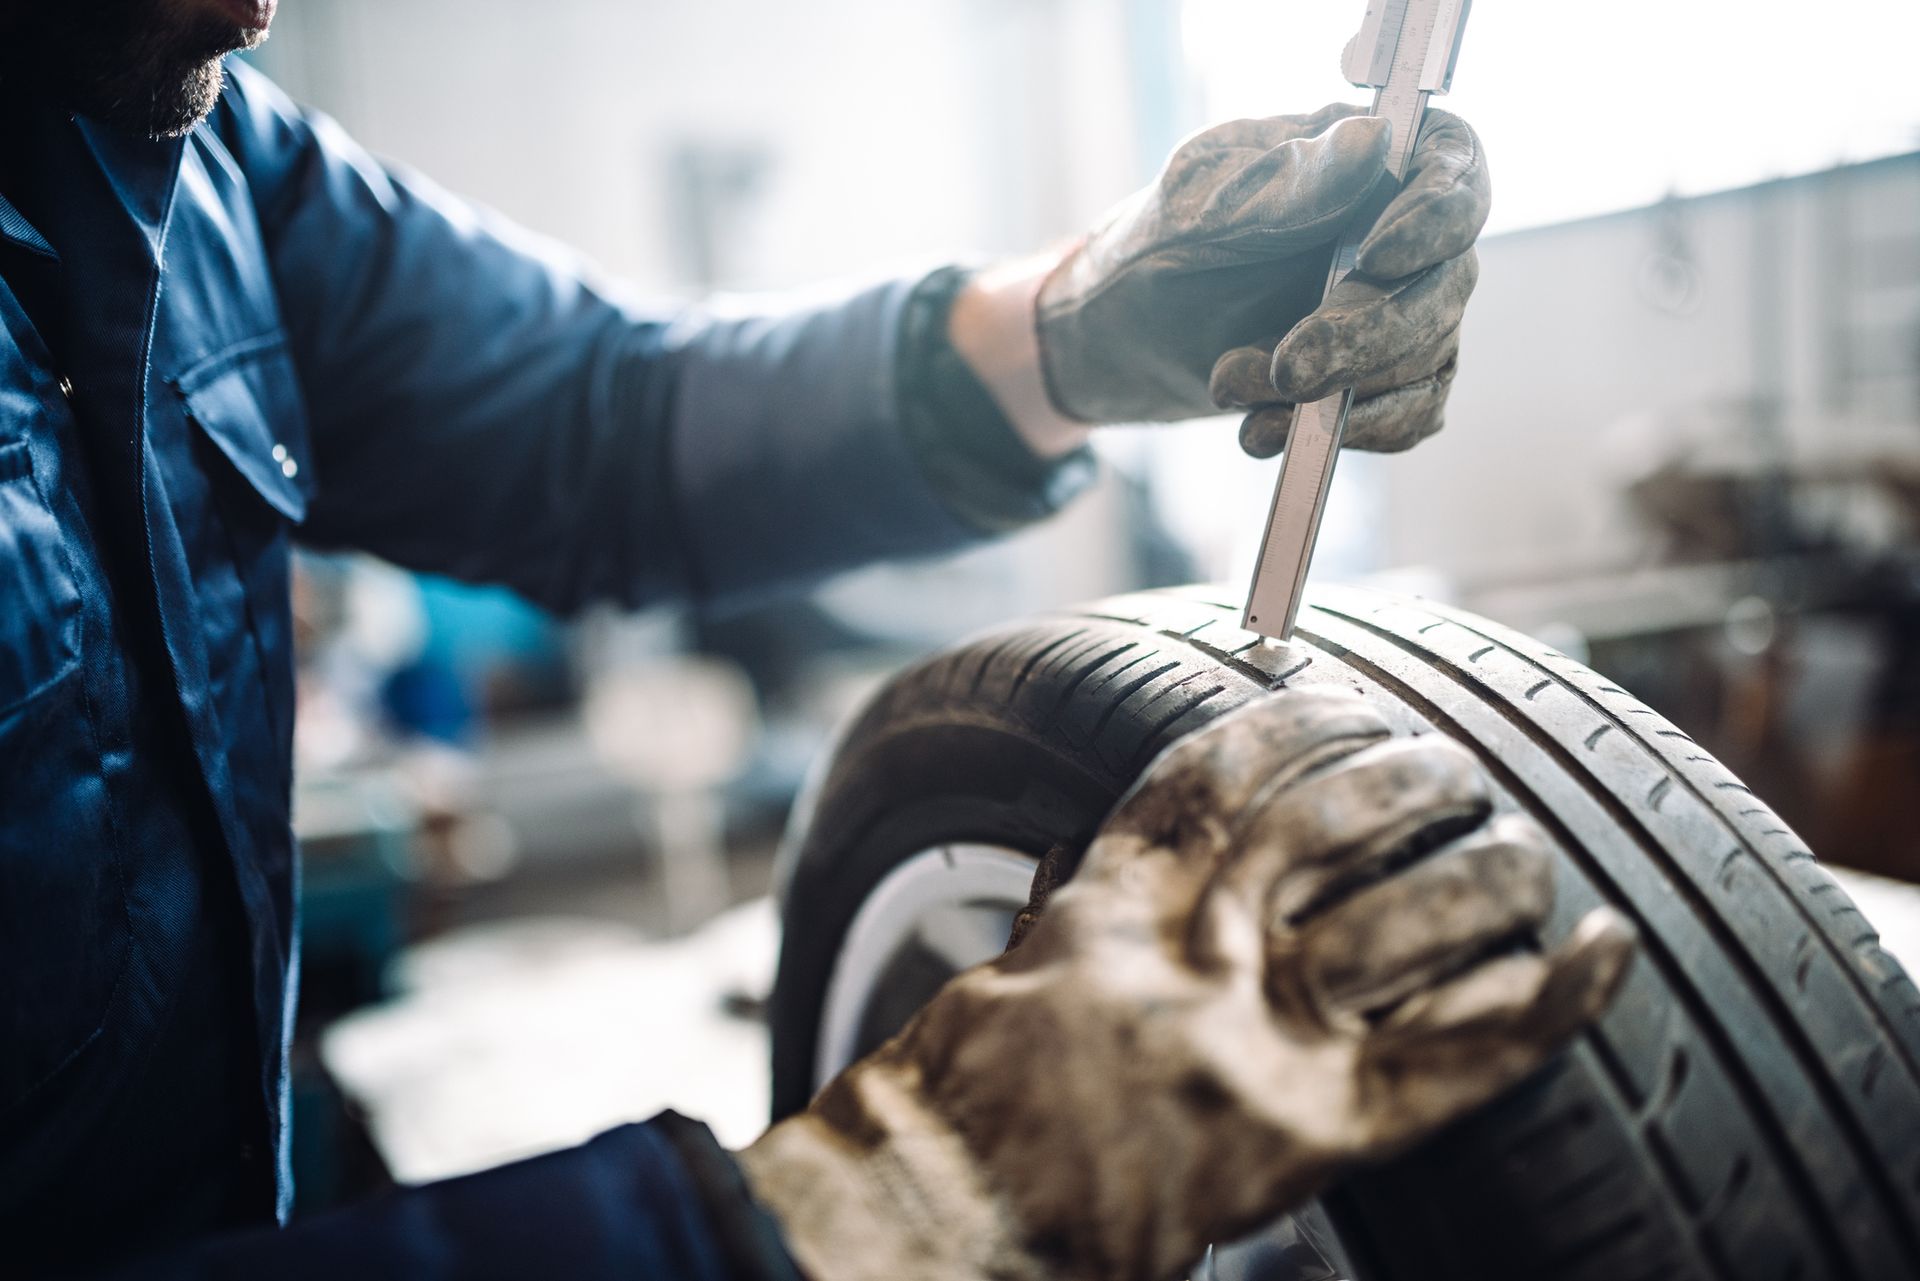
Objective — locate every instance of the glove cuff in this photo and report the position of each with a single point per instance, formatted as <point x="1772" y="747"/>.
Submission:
<point x="1059" y="282"/>
<point x="747" y="1235"/>
<point x="972" y="455"/>
<point x="871" y="1184"/>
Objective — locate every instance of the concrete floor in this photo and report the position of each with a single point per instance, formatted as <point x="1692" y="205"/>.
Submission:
<point x="518" y="1037"/>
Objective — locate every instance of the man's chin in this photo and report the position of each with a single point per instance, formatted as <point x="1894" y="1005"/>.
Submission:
<point x="138" y="66"/>
<point x="173" y="109"/>
<point x="179" y="80"/>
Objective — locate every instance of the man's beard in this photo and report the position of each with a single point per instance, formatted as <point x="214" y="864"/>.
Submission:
<point x="135" y="65"/>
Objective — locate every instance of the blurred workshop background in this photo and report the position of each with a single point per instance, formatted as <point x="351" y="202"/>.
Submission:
<point x="1684" y="446"/>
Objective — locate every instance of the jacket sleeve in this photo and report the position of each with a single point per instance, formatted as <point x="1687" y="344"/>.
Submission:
<point x="480" y="406"/>
<point x="654" y="1200"/>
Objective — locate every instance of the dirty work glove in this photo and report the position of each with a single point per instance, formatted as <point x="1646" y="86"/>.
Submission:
<point x="1225" y="1007"/>
<point x="1172" y="308"/>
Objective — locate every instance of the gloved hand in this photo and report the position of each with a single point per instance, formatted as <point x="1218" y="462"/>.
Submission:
<point x="1203" y="292"/>
<point x="1224" y="1008"/>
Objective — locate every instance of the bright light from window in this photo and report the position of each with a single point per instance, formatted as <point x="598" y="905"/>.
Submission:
<point x="1611" y="103"/>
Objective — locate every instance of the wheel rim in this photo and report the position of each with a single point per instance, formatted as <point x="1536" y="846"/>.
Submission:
<point x="946" y="899"/>
<point x="956" y="903"/>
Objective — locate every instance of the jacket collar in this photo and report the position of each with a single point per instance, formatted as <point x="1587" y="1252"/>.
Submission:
<point x="16" y="230"/>
<point x="142" y="173"/>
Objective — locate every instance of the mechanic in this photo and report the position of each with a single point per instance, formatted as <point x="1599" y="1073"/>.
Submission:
<point x="227" y="328"/>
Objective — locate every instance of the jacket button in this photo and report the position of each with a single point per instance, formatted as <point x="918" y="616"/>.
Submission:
<point x="289" y="468"/>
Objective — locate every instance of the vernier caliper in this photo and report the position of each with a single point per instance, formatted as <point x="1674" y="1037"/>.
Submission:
<point x="1405" y="51"/>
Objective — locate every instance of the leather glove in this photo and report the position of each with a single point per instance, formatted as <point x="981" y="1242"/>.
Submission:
<point x="1203" y="292"/>
<point x="1230" y="1003"/>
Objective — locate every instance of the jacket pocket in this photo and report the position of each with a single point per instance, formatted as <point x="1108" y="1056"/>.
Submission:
<point x="252" y="412"/>
<point x="40" y="606"/>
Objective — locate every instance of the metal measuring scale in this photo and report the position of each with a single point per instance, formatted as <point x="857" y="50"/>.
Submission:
<point x="1405" y="52"/>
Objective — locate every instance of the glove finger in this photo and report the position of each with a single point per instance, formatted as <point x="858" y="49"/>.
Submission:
<point x="1399" y="419"/>
<point x="1440" y="210"/>
<point x="1192" y="796"/>
<point x="1364" y="329"/>
<point x="1242" y="378"/>
<point x="1240" y="381"/>
<point x="1408" y="407"/>
<point x="1306" y="843"/>
<point x="1171" y="830"/>
<point x="1430" y="353"/>
<point x="1349" y="825"/>
<point x="1420" y="927"/>
<point x="1264" y="432"/>
<point x="1263" y="133"/>
<point x="1457" y="1046"/>
<point x="1250" y="205"/>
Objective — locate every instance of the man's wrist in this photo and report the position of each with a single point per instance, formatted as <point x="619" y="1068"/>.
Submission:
<point x="986" y="472"/>
<point x="992" y="327"/>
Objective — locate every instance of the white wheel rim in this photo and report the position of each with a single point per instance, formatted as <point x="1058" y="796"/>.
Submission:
<point x="912" y="903"/>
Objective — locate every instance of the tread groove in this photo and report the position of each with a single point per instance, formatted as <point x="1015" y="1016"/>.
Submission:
<point x="1127" y="691"/>
<point x="1083" y="675"/>
<point x="987" y="660"/>
<point x="1035" y="659"/>
<point x="1165" y="721"/>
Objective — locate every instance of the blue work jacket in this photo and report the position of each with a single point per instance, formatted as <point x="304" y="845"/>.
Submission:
<point x="216" y="346"/>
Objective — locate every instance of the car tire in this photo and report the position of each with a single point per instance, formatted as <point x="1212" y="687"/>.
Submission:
<point x="1747" y="1110"/>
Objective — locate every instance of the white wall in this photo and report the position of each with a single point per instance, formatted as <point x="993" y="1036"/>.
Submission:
<point x="896" y="130"/>
<point x="1574" y="377"/>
